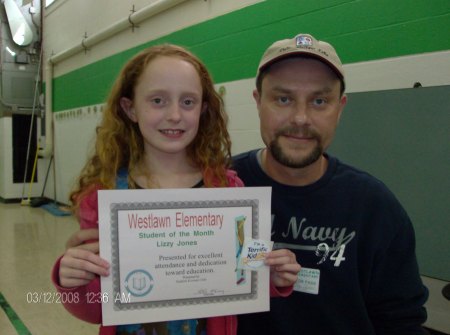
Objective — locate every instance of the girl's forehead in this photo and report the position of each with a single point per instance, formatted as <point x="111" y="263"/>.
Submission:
<point x="170" y="60"/>
<point x="170" y="66"/>
<point x="169" y="73"/>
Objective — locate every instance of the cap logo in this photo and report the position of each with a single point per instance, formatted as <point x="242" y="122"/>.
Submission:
<point x="303" y="40"/>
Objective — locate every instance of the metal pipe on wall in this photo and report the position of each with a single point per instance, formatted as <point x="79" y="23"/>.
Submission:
<point x="47" y="149"/>
<point x="128" y="22"/>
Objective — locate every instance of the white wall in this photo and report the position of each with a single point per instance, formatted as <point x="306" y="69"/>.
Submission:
<point x="437" y="306"/>
<point x="243" y="117"/>
<point x="75" y="134"/>
<point x="430" y="69"/>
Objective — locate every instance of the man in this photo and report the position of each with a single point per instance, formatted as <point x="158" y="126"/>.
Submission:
<point x="353" y="239"/>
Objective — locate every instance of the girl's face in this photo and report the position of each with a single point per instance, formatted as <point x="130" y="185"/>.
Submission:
<point x="167" y="105"/>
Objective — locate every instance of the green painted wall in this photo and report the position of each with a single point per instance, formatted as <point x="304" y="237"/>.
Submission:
<point x="232" y="44"/>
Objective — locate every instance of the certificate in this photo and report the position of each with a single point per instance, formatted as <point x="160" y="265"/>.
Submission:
<point x="174" y="253"/>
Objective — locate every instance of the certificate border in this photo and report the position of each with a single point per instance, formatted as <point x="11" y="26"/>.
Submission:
<point x="115" y="208"/>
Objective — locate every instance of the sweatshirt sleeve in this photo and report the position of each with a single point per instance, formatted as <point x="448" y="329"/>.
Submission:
<point x="396" y="295"/>
<point x="280" y="291"/>
<point x="84" y="302"/>
<point x="233" y="179"/>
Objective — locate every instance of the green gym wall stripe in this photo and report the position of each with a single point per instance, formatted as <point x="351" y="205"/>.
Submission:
<point x="18" y="325"/>
<point x="231" y="45"/>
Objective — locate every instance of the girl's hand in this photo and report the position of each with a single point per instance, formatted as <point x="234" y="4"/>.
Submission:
<point x="283" y="267"/>
<point x="81" y="262"/>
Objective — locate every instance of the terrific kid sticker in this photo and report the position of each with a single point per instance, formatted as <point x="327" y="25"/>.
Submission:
<point x="253" y="254"/>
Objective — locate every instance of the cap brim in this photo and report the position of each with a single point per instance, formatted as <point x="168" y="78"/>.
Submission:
<point x="301" y="53"/>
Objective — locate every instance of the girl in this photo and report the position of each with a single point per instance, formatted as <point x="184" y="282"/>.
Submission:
<point x="164" y="126"/>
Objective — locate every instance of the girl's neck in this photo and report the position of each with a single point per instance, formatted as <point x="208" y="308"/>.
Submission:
<point x="169" y="171"/>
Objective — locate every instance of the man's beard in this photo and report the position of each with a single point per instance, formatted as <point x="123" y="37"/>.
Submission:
<point x="296" y="163"/>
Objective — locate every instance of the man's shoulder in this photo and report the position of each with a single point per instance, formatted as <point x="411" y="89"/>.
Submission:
<point x="357" y="174"/>
<point x="245" y="162"/>
<point x="247" y="167"/>
<point x="244" y="156"/>
<point x="358" y="179"/>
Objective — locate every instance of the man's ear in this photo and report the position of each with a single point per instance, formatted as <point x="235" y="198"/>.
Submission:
<point x="342" y="104"/>
<point x="257" y="98"/>
<point x="127" y="106"/>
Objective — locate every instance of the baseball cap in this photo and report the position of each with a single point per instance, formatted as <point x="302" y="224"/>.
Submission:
<point x="302" y="44"/>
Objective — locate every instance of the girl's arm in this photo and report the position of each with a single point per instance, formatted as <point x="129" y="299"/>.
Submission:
<point x="76" y="275"/>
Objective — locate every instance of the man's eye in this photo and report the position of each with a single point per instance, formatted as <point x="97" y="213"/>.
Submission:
<point x="319" y="101"/>
<point x="283" y="100"/>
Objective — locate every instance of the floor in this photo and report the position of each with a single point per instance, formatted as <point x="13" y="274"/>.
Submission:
<point x="31" y="239"/>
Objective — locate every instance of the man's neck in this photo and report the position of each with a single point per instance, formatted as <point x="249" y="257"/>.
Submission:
<point x="292" y="176"/>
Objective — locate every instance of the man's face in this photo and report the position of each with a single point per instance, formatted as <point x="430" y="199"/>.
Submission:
<point x="299" y="108"/>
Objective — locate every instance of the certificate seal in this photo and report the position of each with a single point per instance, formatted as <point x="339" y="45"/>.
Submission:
<point x="139" y="283"/>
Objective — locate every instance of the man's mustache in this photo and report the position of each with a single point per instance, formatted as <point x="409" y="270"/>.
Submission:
<point x="298" y="132"/>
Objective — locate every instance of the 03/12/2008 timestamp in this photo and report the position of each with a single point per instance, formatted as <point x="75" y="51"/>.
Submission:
<point x="74" y="297"/>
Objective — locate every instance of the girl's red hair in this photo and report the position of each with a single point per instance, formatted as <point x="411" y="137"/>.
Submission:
<point x="119" y="142"/>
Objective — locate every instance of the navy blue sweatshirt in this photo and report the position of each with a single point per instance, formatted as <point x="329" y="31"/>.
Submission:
<point x="356" y="246"/>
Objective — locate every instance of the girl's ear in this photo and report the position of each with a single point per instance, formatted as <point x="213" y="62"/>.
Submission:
<point x="204" y="107"/>
<point x="127" y="106"/>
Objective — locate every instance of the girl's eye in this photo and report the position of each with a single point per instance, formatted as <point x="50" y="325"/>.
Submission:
<point x="157" y="101"/>
<point x="188" y="102"/>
